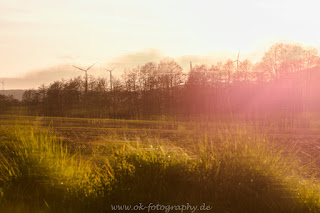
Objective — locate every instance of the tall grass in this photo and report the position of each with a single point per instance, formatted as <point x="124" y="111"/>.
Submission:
<point x="37" y="171"/>
<point x="233" y="172"/>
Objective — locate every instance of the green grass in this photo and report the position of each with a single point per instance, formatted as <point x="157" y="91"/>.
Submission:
<point x="37" y="170"/>
<point x="233" y="172"/>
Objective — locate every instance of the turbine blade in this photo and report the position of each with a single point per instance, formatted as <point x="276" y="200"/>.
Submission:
<point x="91" y="66"/>
<point x="79" y="68"/>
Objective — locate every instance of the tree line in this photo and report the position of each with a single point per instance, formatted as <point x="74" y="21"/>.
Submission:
<point x="163" y="90"/>
<point x="7" y="102"/>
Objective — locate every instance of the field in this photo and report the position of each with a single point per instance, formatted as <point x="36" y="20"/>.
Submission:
<point x="88" y="165"/>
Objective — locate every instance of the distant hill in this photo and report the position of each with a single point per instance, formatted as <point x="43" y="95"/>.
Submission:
<point x="17" y="94"/>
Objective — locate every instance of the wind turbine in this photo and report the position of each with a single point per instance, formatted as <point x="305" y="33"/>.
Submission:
<point x="110" y="71"/>
<point x="86" y="76"/>
<point x="3" y="83"/>
<point x="238" y="61"/>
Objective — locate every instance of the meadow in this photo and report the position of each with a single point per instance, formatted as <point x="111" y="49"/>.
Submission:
<point x="52" y="164"/>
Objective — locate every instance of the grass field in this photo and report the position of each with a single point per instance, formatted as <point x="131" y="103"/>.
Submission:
<point x="87" y="165"/>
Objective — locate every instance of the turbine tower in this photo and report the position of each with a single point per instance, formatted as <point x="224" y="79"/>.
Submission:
<point x="3" y="83"/>
<point x="86" y="76"/>
<point x="110" y="71"/>
<point x="238" y="61"/>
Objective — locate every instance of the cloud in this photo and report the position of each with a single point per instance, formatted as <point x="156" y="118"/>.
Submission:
<point x="134" y="59"/>
<point x="48" y="75"/>
<point x="153" y="55"/>
<point x="66" y="71"/>
<point x="45" y="76"/>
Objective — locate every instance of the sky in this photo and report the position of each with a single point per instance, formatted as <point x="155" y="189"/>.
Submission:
<point x="40" y="40"/>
